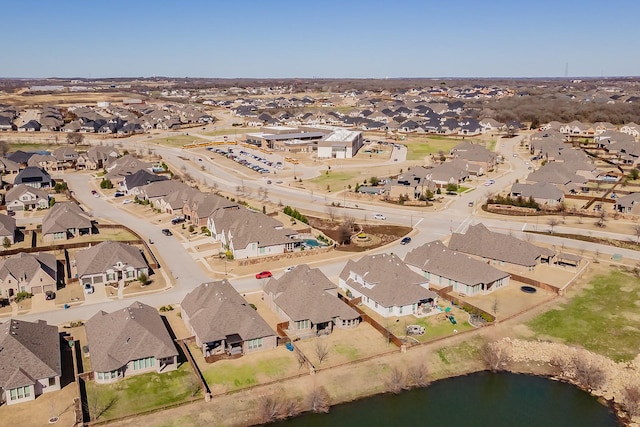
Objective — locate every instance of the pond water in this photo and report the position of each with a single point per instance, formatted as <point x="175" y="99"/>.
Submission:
<point x="482" y="399"/>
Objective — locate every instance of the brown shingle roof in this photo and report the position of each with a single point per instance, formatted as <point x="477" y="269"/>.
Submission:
<point x="99" y="258"/>
<point x="28" y="352"/>
<point x="63" y="216"/>
<point x="129" y="334"/>
<point x="434" y="257"/>
<point x="216" y="310"/>
<point x="302" y="294"/>
<point x="389" y="281"/>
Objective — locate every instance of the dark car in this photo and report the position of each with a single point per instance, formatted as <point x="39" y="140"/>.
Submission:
<point x="263" y="275"/>
<point x="405" y="241"/>
<point x="118" y="194"/>
<point x="49" y="295"/>
<point x="167" y="232"/>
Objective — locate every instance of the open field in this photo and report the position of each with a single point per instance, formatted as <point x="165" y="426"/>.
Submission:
<point x="141" y="393"/>
<point x="231" y="131"/>
<point x="602" y="317"/>
<point x="64" y="99"/>
<point x="419" y="147"/>
<point x="336" y="181"/>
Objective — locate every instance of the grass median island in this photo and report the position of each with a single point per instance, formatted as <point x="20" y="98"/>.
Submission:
<point x="141" y="393"/>
<point x="603" y="317"/>
<point x="176" y="140"/>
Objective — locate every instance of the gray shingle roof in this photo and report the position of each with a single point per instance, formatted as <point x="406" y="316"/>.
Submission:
<point x="63" y="216"/>
<point x="7" y="225"/>
<point x="479" y="241"/>
<point x="26" y="266"/>
<point x="28" y="352"/>
<point x="105" y="255"/>
<point x="435" y="258"/>
<point x="216" y="310"/>
<point x="390" y="281"/>
<point x="129" y="334"/>
<point x="19" y="190"/>
<point x="302" y="294"/>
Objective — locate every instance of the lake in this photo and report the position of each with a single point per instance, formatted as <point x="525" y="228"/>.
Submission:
<point x="481" y="399"/>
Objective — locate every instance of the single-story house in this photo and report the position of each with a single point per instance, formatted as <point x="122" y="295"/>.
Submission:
<point x="28" y="272"/>
<point x="8" y="229"/>
<point x="110" y="262"/>
<point x="387" y="285"/>
<point x="223" y="322"/>
<point x="128" y="342"/>
<point x="444" y="267"/>
<point x="30" y="360"/>
<point x="65" y="220"/>
<point x="309" y="301"/>
<point x="24" y="197"/>
<point x="34" y="177"/>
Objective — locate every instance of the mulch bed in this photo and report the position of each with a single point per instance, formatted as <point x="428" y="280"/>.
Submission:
<point x="386" y="233"/>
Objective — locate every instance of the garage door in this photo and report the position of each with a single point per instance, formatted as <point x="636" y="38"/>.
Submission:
<point x="49" y="288"/>
<point x="36" y="290"/>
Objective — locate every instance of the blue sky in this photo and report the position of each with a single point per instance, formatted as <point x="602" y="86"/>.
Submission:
<point x="325" y="38"/>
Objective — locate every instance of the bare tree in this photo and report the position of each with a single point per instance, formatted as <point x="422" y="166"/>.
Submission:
<point x="602" y="218"/>
<point x="588" y="372"/>
<point x="562" y="363"/>
<point x="495" y="305"/>
<point x="396" y="381"/>
<point x="269" y="409"/>
<point x="631" y="399"/>
<point x="290" y="408"/>
<point x="552" y="223"/>
<point x="99" y="403"/>
<point x="319" y="400"/>
<point x="419" y="375"/>
<point x="636" y="231"/>
<point x="75" y="138"/>
<point x="596" y="256"/>
<point x="331" y="211"/>
<point x="494" y="356"/>
<point x="322" y="350"/>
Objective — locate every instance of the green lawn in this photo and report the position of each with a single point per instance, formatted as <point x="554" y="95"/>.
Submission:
<point x="177" y="140"/>
<point x="141" y="393"/>
<point x="241" y="373"/>
<point x="231" y="131"/>
<point x="349" y="351"/>
<point x="419" y="149"/>
<point x="336" y="180"/>
<point x="603" y="318"/>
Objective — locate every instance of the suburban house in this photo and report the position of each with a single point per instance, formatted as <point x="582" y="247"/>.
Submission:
<point x="28" y="272"/>
<point x="169" y="196"/>
<point x="543" y="193"/>
<point x="499" y="249"/>
<point x="478" y="155"/>
<point x="628" y="204"/>
<point x="223" y="322"/>
<point x="249" y="234"/>
<point x="110" y="262"/>
<point x="387" y="286"/>
<point x="66" y="157"/>
<point x="43" y="161"/>
<point x="30" y="360"/>
<point x="7" y="229"/>
<point x="122" y="166"/>
<point x="64" y="221"/>
<point x="97" y="157"/>
<point x="34" y="177"/>
<point x="309" y="301"/>
<point x="130" y="183"/>
<point x="444" y="267"/>
<point x="23" y="197"/>
<point x="128" y="342"/>
<point x="201" y="206"/>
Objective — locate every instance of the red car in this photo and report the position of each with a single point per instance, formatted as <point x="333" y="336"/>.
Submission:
<point x="263" y="275"/>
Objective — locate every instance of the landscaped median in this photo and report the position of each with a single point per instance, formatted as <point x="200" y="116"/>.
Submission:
<point x="138" y="394"/>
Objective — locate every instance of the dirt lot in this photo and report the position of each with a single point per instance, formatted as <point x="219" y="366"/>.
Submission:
<point x="377" y="234"/>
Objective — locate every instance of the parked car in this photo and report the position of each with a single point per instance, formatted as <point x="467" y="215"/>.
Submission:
<point x="126" y="202"/>
<point x="405" y="241"/>
<point x="118" y="194"/>
<point x="264" y="275"/>
<point x="380" y="217"/>
<point x="49" y="295"/>
<point x="88" y="288"/>
<point x="470" y="204"/>
<point x="177" y="220"/>
<point x="290" y="268"/>
<point x="490" y="182"/>
<point x="167" y="232"/>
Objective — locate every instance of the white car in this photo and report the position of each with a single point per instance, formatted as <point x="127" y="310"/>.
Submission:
<point x="288" y="269"/>
<point x="490" y="182"/>
<point x="380" y="217"/>
<point x="126" y="202"/>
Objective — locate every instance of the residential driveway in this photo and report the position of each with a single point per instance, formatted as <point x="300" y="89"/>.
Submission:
<point x="39" y="303"/>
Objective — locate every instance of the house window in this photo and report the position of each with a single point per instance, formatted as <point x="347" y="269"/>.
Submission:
<point x="20" y="392"/>
<point x="100" y="375"/>
<point x="254" y="343"/>
<point x="400" y="310"/>
<point x="52" y="381"/>
<point x="390" y="309"/>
